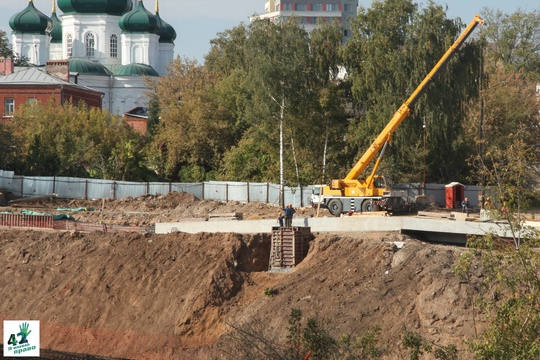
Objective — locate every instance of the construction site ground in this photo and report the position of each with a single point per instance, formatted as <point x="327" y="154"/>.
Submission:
<point x="175" y="296"/>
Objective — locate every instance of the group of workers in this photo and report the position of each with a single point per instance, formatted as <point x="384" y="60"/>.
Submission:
<point x="488" y="205"/>
<point x="286" y="214"/>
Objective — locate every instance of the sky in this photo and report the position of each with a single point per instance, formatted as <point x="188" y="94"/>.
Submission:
<point x="198" y="21"/>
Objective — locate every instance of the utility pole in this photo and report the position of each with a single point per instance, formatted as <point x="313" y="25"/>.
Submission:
<point x="481" y="128"/>
<point x="425" y="151"/>
<point x="281" y="168"/>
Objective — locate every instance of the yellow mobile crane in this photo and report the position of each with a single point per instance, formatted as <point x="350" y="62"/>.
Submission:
<point x="373" y="193"/>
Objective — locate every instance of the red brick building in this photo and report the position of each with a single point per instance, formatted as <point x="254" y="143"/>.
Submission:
<point x="137" y="118"/>
<point x="36" y="85"/>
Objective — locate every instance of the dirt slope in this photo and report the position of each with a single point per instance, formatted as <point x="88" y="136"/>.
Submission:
<point x="138" y="296"/>
<point x="93" y="287"/>
<point x="171" y="296"/>
<point x="355" y="282"/>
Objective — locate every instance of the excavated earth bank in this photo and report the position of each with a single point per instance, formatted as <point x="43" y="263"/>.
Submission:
<point x="130" y="295"/>
<point x="173" y="296"/>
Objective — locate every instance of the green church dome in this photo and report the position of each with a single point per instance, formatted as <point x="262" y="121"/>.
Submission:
<point x="140" y="20"/>
<point x="56" y="32"/>
<point x="87" y="67"/>
<point x="30" y="20"/>
<point x="135" y="70"/>
<point x="167" y="34"/>
<point x="111" y="7"/>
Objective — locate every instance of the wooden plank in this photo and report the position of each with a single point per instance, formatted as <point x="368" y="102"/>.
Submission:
<point x="226" y="215"/>
<point x="441" y="215"/>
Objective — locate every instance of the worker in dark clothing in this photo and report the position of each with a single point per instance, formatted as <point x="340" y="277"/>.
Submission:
<point x="280" y="218"/>
<point x="465" y="206"/>
<point x="289" y="212"/>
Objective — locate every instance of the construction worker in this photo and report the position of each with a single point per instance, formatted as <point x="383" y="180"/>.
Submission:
<point x="487" y="204"/>
<point x="289" y="212"/>
<point x="504" y="210"/>
<point x="280" y="218"/>
<point x="465" y="206"/>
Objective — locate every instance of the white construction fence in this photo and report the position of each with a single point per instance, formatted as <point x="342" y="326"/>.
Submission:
<point x="300" y="196"/>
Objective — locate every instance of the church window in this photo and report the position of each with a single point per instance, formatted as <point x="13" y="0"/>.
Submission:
<point x="90" y="43"/>
<point x="114" y="46"/>
<point x="69" y="43"/>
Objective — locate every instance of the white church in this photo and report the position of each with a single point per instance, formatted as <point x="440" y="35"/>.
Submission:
<point x="110" y="45"/>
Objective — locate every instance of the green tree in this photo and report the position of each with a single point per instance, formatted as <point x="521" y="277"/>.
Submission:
<point x="227" y="52"/>
<point x="505" y="133"/>
<point x="321" y="153"/>
<point x="5" y="47"/>
<point x="503" y="126"/>
<point x="195" y="129"/>
<point x="509" y="299"/>
<point x="279" y="61"/>
<point x="253" y="341"/>
<point x="417" y="346"/>
<point x="71" y="140"/>
<point x="153" y="116"/>
<point x="21" y="60"/>
<point x="284" y="84"/>
<point x="514" y="40"/>
<point x="8" y="148"/>
<point x="387" y="57"/>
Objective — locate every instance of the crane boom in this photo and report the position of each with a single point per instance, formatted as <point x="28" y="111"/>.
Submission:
<point x="403" y="112"/>
<point x="352" y="194"/>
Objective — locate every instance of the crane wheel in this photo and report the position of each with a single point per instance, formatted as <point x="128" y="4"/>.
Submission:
<point x="367" y="206"/>
<point x="335" y="207"/>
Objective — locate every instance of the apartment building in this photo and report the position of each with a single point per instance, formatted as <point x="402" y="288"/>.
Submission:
<point x="312" y="12"/>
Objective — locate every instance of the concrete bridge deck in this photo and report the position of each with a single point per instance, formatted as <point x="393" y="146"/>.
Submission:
<point x="432" y="229"/>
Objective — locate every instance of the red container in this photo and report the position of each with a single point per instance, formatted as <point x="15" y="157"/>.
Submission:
<point x="455" y="194"/>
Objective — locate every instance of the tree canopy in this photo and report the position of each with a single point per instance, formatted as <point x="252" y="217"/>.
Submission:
<point x="387" y="58"/>
<point x="47" y="139"/>
<point x="254" y="77"/>
<point x="195" y="128"/>
<point x="513" y="40"/>
<point x="266" y="84"/>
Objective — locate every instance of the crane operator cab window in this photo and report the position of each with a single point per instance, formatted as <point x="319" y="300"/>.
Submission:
<point x="379" y="182"/>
